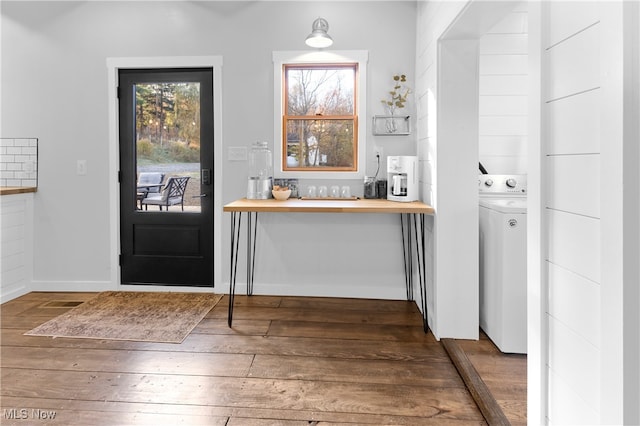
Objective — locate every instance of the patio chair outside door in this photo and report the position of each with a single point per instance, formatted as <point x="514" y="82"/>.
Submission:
<point x="166" y="128"/>
<point x="172" y="194"/>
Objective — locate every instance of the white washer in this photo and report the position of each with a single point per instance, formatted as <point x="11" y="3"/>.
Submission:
<point x="503" y="260"/>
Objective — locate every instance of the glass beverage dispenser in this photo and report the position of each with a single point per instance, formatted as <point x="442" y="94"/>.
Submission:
<point x="260" y="182"/>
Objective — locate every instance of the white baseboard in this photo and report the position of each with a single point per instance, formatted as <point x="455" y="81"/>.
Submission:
<point x="13" y="293"/>
<point x="317" y="290"/>
<point x="266" y="289"/>
<point x="97" y="286"/>
<point x="72" y="286"/>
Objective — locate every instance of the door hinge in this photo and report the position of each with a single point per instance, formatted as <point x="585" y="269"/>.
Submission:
<point x="118" y="92"/>
<point x="119" y="176"/>
<point x="120" y="260"/>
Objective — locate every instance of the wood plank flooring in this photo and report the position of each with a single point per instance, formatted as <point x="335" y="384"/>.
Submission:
<point x="286" y="361"/>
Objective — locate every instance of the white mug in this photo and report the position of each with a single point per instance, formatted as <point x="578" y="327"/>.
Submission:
<point x="322" y="192"/>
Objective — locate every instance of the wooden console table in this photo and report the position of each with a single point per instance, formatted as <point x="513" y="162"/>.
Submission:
<point x="411" y="214"/>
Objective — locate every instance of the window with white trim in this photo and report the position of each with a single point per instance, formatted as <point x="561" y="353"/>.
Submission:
<point x="320" y="113"/>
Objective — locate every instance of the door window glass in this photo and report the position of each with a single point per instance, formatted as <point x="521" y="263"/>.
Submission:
<point x="167" y="126"/>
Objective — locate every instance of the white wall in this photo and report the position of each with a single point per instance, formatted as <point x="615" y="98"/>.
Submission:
<point x="631" y="155"/>
<point x="503" y="95"/>
<point x="573" y="164"/>
<point x="16" y="245"/>
<point x="433" y="19"/>
<point x="448" y="45"/>
<point x="573" y="213"/>
<point x="586" y="48"/>
<point x="54" y="81"/>
<point x="634" y="355"/>
<point x="585" y="227"/>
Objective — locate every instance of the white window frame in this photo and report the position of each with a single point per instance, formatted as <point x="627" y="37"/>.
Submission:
<point x="321" y="57"/>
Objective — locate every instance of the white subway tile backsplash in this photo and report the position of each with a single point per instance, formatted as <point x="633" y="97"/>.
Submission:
<point x="19" y="162"/>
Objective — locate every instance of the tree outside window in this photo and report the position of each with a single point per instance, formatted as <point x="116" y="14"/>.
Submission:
<point x="320" y="117"/>
<point x="168" y="122"/>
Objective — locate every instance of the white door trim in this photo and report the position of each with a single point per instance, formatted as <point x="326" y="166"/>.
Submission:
<point x="113" y="65"/>
<point x="537" y="285"/>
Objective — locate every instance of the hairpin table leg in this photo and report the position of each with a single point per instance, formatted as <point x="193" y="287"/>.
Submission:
<point x="252" y="232"/>
<point x="418" y="226"/>
<point x="236" y="221"/>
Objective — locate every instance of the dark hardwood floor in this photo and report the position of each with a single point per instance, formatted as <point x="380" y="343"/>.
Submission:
<point x="286" y="361"/>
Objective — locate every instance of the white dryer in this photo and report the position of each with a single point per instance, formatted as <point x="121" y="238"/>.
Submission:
<point x="503" y="260"/>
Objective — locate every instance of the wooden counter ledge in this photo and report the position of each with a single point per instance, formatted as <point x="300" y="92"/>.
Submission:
<point x="13" y="190"/>
<point x="296" y="205"/>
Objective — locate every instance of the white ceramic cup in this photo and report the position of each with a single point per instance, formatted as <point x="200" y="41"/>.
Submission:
<point x="335" y="191"/>
<point x="311" y="192"/>
<point x="322" y="192"/>
<point x="345" y="192"/>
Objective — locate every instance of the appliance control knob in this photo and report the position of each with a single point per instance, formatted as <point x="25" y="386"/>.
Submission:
<point x="488" y="182"/>
<point x="511" y="183"/>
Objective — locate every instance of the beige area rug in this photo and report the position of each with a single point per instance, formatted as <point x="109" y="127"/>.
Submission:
<point x="137" y="316"/>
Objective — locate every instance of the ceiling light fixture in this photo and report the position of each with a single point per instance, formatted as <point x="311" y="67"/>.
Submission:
<point x="319" y="37"/>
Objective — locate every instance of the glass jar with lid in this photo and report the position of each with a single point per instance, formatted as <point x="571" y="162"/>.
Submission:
<point x="370" y="187"/>
<point x="260" y="181"/>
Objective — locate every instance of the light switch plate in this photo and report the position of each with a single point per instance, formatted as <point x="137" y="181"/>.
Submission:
<point x="237" y="153"/>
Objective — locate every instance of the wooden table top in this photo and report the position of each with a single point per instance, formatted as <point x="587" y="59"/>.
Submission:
<point x="299" y="205"/>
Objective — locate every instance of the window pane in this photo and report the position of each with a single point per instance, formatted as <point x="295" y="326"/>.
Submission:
<point x="320" y="144"/>
<point x="327" y="91"/>
<point x="168" y="140"/>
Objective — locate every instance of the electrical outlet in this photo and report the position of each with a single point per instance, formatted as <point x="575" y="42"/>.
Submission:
<point x="377" y="151"/>
<point x="81" y="167"/>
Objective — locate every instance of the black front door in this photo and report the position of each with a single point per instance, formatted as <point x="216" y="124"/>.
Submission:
<point x="166" y="172"/>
